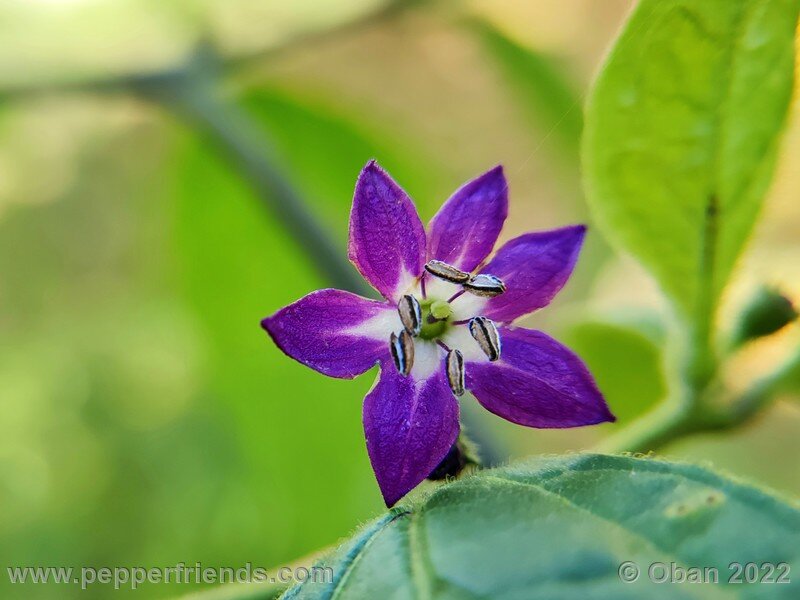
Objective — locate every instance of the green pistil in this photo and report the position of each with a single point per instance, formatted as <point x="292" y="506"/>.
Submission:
<point x="440" y="309"/>
<point x="435" y="314"/>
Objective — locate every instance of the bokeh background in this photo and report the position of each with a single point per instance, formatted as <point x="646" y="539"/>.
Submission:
<point x="145" y="418"/>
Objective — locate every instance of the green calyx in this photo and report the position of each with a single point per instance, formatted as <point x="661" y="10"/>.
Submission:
<point x="435" y="314"/>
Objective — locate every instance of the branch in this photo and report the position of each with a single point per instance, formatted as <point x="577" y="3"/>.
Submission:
<point x="672" y="420"/>
<point x="119" y="82"/>
<point x="663" y="424"/>
<point x="192" y="93"/>
<point x="756" y="398"/>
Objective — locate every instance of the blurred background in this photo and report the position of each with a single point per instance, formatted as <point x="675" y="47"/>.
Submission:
<point x="148" y="150"/>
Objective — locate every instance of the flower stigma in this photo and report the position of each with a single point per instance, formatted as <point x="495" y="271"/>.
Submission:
<point x="435" y="315"/>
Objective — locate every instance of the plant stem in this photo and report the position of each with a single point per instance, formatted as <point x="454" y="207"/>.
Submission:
<point x="666" y="422"/>
<point x="193" y="94"/>
<point x="682" y="413"/>
<point x="675" y="419"/>
<point x="756" y="397"/>
<point x="677" y="416"/>
<point x="116" y="82"/>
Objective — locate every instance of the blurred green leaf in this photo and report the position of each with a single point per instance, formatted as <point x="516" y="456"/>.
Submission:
<point x="625" y="363"/>
<point x="791" y="382"/>
<point x="36" y="34"/>
<point x="324" y="148"/>
<point x="549" y="97"/>
<point x="559" y="528"/>
<point x="551" y="103"/>
<point x="681" y="136"/>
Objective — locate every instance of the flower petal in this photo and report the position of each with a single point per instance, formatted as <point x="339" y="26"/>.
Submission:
<point x="334" y="332"/>
<point x="466" y="227"/>
<point x="537" y="382"/>
<point x="534" y="267"/>
<point x="410" y="425"/>
<point x="387" y="239"/>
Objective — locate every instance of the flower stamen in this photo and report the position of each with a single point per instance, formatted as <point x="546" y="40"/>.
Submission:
<point x="447" y="272"/>
<point x="485" y="285"/>
<point x="460" y="292"/>
<point x="410" y="314"/>
<point x="485" y="333"/>
<point x="402" y="348"/>
<point x="455" y="372"/>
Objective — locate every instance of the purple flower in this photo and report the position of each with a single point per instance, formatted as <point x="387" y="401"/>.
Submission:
<point x="444" y="326"/>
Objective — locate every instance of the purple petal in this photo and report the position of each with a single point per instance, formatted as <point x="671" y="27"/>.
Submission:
<point x="534" y="267"/>
<point x="334" y="332"/>
<point x="465" y="229"/>
<point x="537" y="382"/>
<point x="410" y="426"/>
<point x="387" y="239"/>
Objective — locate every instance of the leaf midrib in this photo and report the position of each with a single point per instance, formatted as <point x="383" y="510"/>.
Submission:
<point x="709" y="233"/>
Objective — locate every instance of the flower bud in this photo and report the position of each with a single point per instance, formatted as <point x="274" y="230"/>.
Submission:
<point x="767" y="312"/>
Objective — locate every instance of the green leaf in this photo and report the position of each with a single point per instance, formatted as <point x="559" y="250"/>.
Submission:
<point x="682" y="132"/>
<point x="548" y="96"/>
<point x="625" y="363"/>
<point x="558" y="528"/>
